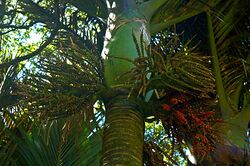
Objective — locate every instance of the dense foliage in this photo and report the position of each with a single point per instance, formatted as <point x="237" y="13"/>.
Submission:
<point x="193" y="82"/>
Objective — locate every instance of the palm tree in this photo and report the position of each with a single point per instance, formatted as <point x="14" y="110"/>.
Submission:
<point x="129" y="26"/>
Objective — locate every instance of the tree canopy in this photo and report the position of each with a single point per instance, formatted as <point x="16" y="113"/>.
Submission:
<point x="176" y="71"/>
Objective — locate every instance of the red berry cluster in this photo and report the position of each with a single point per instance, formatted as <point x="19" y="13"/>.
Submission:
<point x="200" y="145"/>
<point x="190" y="123"/>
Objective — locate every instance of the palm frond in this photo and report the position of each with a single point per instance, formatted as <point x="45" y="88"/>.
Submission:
<point x="230" y="27"/>
<point x="65" y="81"/>
<point x="47" y="144"/>
<point x="95" y="8"/>
<point x="84" y="23"/>
<point x="8" y="81"/>
<point x="235" y="75"/>
<point x="176" y="9"/>
<point x="231" y="34"/>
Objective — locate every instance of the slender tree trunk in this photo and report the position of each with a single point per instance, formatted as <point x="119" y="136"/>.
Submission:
<point x="124" y="126"/>
<point x="123" y="133"/>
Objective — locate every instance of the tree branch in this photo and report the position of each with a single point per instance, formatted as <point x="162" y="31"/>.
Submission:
<point x="36" y="52"/>
<point x="14" y="27"/>
<point x="5" y="26"/>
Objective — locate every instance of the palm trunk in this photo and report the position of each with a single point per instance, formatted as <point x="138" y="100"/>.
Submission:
<point x="124" y="126"/>
<point x="123" y="133"/>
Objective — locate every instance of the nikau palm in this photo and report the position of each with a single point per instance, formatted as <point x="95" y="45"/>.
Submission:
<point x="128" y="22"/>
<point x="135" y="73"/>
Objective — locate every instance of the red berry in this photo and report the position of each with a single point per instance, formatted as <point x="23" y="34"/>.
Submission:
<point x="174" y="101"/>
<point x="181" y="117"/>
<point x="181" y="98"/>
<point x="197" y="121"/>
<point x="166" y="107"/>
<point x="207" y="114"/>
